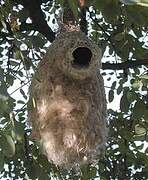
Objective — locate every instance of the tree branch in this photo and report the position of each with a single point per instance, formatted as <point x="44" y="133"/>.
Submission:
<point x="41" y="25"/>
<point x="83" y="21"/>
<point x="27" y="27"/>
<point x="124" y="65"/>
<point x="38" y="18"/>
<point x="68" y="15"/>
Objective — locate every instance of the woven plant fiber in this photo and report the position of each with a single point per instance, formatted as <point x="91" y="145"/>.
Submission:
<point x="67" y="105"/>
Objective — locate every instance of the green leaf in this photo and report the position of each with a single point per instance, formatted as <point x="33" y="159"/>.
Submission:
<point x="18" y="54"/>
<point x="111" y="95"/>
<point x="139" y="130"/>
<point x="4" y="24"/>
<point x="18" y="131"/>
<point x="27" y="63"/>
<point x="119" y="89"/>
<point x="135" y="2"/>
<point x="74" y="7"/>
<point x="93" y="172"/>
<point x="20" y="73"/>
<point x="2" y="162"/>
<point x="140" y="147"/>
<point x="146" y="151"/>
<point x="145" y="112"/>
<point x="111" y="11"/>
<point x="20" y="102"/>
<point x="113" y="85"/>
<point x="119" y="36"/>
<point x="137" y="84"/>
<point x="10" y="79"/>
<point x="23" y="15"/>
<point x="145" y="76"/>
<point x="1" y="74"/>
<point x="139" y="109"/>
<point x="123" y="148"/>
<point x="11" y="103"/>
<point x="99" y="4"/>
<point x="144" y="4"/>
<point x="61" y="2"/>
<point x="1" y="50"/>
<point x="43" y="176"/>
<point x="3" y="89"/>
<point x="136" y="15"/>
<point x="23" y="93"/>
<point x="124" y="103"/>
<point x="130" y="2"/>
<point x="14" y="63"/>
<point x="131" y="96"/>
<point x="38" y="41"/>
<point x="8" y="146"/>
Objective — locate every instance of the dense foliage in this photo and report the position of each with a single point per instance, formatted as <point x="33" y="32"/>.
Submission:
<point x="121" y="31"/>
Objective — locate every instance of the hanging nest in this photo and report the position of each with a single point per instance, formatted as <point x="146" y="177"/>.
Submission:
<point x="67" y="106"/>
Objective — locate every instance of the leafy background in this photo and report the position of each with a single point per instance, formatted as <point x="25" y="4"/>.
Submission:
<point x="120" y="28"/>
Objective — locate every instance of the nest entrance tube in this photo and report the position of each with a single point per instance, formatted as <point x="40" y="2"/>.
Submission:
<point x="82" y="57"/>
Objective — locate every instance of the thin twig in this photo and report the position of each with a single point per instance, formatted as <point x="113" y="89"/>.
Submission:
<point x="19" y="87"/>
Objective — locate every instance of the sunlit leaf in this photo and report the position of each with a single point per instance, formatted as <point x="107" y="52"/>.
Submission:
<point x="137" y="84"/>
<point x="139" y="130"/>
<point x="144" y="76"/>
<point x="135" y="2"/>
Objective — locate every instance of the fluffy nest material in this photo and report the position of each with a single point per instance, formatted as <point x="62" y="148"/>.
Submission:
<point x="67" y="106"/>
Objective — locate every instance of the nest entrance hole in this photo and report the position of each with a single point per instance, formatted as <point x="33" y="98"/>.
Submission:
<point x="82" y="57"/>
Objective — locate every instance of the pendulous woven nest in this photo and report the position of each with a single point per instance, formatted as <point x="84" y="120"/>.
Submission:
<point x="67" y="105"/>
